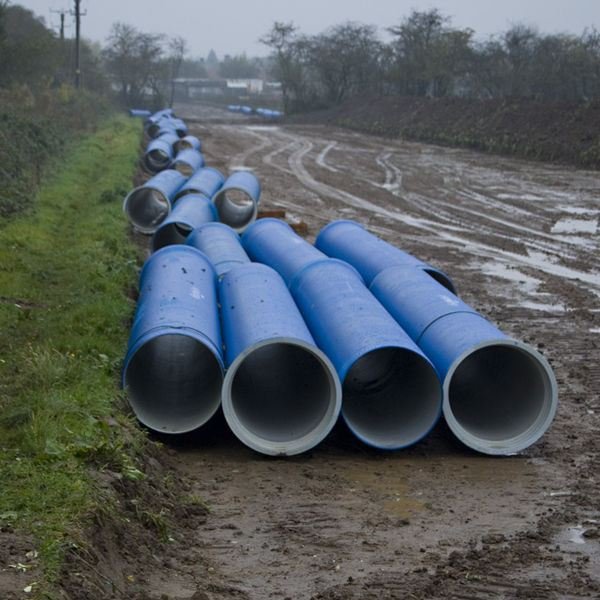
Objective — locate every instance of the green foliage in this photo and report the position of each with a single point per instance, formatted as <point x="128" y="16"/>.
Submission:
<point x="64" y="314"/>
<point x="34" y="133"/>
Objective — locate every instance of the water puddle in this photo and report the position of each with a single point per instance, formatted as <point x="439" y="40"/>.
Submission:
<point x="551" y="308"/>
<point x="392" y="489"/>
<point x="568" y="225"/>
<point x="262" y="128"/>
<point x="527" y="284"/>
<point x="577" y="210"/>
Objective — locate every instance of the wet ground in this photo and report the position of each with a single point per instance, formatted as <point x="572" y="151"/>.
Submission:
<point x="520" y="240"/>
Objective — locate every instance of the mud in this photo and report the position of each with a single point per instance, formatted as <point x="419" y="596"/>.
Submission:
<point x="436" y="521"/>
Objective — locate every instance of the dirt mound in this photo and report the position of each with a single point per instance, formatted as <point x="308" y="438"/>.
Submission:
<point x="557" y="132"/>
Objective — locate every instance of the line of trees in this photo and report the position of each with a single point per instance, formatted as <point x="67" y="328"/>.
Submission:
<point x="134" y="65"/>
<point x="427" y="56"/>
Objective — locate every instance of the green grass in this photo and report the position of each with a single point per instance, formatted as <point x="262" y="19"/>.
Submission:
<point x="64" y="317"/>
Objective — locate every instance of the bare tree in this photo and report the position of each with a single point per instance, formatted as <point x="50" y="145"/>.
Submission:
<point x="177" y="52"/>
<point x="135" y="61"/>
<point x="282" y="39"/>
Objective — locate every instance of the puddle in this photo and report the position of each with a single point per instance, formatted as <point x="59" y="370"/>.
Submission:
<point x="527" y="283"/>
<point x="577" y="210"/>
<point x="262" y="128"/>
<point x="568" y="225"/>
<point x="391" y="488"/>
<point x="575" y="535"/>
<point x="528" y="197"/>
<point x="553" y="308"/>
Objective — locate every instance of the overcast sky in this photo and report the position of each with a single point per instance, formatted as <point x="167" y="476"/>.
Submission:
<point x="234" y="26"/>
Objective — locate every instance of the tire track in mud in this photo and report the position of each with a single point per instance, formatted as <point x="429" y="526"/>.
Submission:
<point x="447" y="231"/>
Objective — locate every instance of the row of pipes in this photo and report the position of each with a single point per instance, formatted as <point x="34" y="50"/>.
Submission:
<point x="185" y="192"/>
<point x="267" y="113"/>
<point x="285" y="336"/>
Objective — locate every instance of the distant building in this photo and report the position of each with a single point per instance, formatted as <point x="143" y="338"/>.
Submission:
<point x="251" y="86"/>
<point x="189" y="89"/>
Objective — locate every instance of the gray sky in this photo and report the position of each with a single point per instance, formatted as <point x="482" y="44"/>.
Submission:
<point x="234" y="26"/>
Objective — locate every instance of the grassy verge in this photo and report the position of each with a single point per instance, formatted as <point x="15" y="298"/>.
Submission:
<point x="64" y="316"/>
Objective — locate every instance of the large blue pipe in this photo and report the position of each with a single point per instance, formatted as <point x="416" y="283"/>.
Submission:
<point x="139" y="112"/>
<point x="148" y="205"/>
<point x="173" y="369"/>
<point x="189" y="212"/>
<point x="281" y="394"/>
<point x="237" y="201"/>
<point x="207" y="181"/>
<point x="351" y="242"/>
<point x="188" y="161"/>
<point x="189" y="141"/>
<point x="500" y="395"/>
<point x="220" y="244"/>
<point x="273" y="242"/>
<point x="159" y="153"/>
<point x="392" y="395"/>
<point x="178" y="126"/>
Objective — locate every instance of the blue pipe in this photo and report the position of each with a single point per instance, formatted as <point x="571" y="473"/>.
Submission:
<point x="178" y="126"/>
<point x="188" y="161"/>
<point x="138" y="112"/>
<point x="350" y="241"/>
<point x="173" y="369"/>
<point x="159" y="153"/>
<point x="189" y="141"/>
<point x="189" y="212"/>
<point x="148" y="205"/>
<point x="237" y="201"/>
<point x="220" y="244"/>
<point x="500" y="395"/>
<point x="273" y="242"/>
<point x="207" y="181"/>
<point x="392" y="395"/>
<point x="281" y="395"/>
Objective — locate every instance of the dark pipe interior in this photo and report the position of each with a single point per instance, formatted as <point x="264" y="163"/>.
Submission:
<point x="281" y="392"/>
<point x="174" y="383"/>
<point x="392" y="397"/>
<point x="498" y="392"/>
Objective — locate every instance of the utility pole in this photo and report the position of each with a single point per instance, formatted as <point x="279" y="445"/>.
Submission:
<point x="62" y="23"/>
<point x="78" y="14"/>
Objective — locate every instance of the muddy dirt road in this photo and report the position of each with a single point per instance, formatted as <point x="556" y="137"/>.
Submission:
<point x="437" y="521"/>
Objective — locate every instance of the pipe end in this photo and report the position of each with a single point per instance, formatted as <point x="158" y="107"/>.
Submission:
<point x="281" y="396"/>
<point x="500" y="397"/>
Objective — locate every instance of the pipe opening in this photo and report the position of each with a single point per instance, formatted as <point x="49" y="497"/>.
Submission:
<point x="184" y="168"/>
<point x="153" y="130"/>
<point x="158" y="159"/>
<point x="392" y="398"/>
<point x="146" y="208"/>
<point x="236" y="208"/>
<point x="441" y="278"/>
<point x="173" y="233"/>
<point x="500" y="398"/>
<point x="173" y="383"/>
<point x="281" y="397"/>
